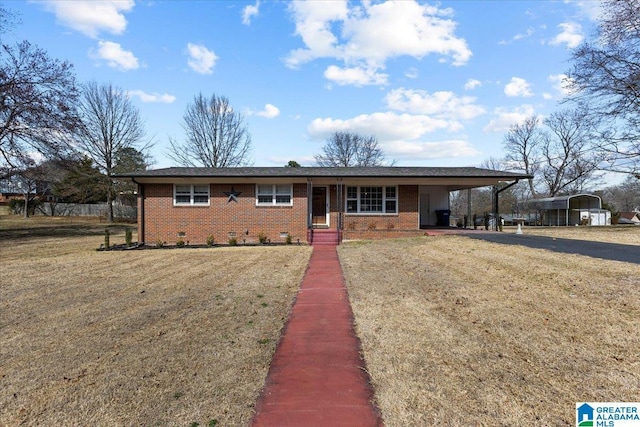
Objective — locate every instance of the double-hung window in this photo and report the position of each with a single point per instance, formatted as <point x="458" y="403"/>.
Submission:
<point x="372" y="199"/>
<point x="274" y="194"/>
<point x="191" y="195"/>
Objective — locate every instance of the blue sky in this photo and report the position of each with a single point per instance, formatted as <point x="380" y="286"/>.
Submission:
<point x="439" y="84"/>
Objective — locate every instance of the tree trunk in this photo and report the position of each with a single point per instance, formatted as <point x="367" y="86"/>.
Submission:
<point x="109" y="206"/>
<point x="26" y="205"/>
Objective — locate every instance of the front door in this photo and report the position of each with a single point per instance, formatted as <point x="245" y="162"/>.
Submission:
<point x="319" y="206"/>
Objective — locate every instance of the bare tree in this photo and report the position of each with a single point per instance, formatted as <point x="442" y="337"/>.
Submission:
<point x="347" y="149"/>
<point x="522" y="144"/>
<point x="37" y="105"/>
<point x="558" y="156"/>
<point x="110" y="125"/>
<point x="215" y="135"/>
<point x="624" y="197"/>
<point x="568" y="163"/>
<point x="606" y="75"/>
<point x="8" y="18"/>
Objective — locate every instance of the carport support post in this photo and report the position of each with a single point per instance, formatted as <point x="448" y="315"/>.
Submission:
<point x="497" y="192"/>
<point x="496" y="207"/>
<point x="468" y="221"/>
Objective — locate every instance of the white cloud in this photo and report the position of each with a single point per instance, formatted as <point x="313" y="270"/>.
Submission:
<point x="504" y="119"/>
<point x="354" y="76"/>
<point x="472" y="84"/>
<point x="115" y="56"/>
<point x="518" y="87"/>
<point x="528" y="33"/>
<point x="561" y="83"/>
<point x="400" y="135"/>
<point x="571" y="35"/>
<point x="91" y="17"/>
<point x="164" y="98"/>
<point x="386" y="126"/>
<point x="444" y="105"/>
<point x="201" y="60"/>
<point x="373" y="33"/>
<point x="419" y="150"/>
<point x="589" y="8"/>
<point x="270" y="111"/>
<point x="249" y="12"/>
<point x="411" y="73"/>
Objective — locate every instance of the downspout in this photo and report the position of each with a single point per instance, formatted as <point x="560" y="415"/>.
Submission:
<point x="141" y="213"/>
<point x="496" y="210"/>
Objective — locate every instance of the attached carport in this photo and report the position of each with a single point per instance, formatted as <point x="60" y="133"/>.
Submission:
<point x="585" y="209"/>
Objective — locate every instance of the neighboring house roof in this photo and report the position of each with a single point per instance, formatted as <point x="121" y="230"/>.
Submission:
<point x="629" y="218"/>
<point x="575" y="201"/>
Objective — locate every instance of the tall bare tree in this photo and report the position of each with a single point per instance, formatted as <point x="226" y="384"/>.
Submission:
<point x="348" y="149"/>
<point x="606" y="75"/>
<point x="556" y="152"/>
<point x="522" y="146"/>
<point x="215" y="135"/>
<point x="37" y="105"/>
<point x="110" y="124"/>
<point x="568" y="162"/>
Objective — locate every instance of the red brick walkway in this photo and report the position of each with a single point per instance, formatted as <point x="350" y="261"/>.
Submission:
<point x="317" y="377"/>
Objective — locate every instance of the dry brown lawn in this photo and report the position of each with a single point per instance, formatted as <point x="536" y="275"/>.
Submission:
<point x="460" y="332"/>
<point x="623" y="234"/>
<point x="154" y="337"/>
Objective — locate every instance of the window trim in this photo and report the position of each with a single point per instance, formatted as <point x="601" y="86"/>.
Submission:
<point x="358" y="200"/>
<point x="274" y="195"/>
<point x="192" y="195"/>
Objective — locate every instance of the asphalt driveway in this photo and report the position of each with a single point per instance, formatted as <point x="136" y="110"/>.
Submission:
<point x="610" y="251"/>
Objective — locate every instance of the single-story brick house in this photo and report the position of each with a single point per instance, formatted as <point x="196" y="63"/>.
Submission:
<point x="246" y="202"/>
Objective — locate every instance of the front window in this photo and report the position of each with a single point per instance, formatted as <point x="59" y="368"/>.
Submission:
<point x="372" y="199"/>
<point x="191" y="195"/>
<point x="274" y="195"/>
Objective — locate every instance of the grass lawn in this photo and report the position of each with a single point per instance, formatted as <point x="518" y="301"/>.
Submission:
<point x="623" y="234"/>
<point x="155" y="337"/>
<point x="455" y="331"/>
<point x="458" y="332"/>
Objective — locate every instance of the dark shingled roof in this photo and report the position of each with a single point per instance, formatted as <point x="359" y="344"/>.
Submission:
<point x="330" y="172"/>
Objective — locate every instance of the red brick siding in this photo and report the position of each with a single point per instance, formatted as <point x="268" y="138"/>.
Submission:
<point x="164" y="221"/>
<point x="367" y="226"/>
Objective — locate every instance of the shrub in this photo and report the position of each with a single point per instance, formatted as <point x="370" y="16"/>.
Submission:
<point x="106" y="238"/>
<point x="210" y="240"/>
<point x="180" y="243"/>
<point x="288" y="239"/>
<point x="262" y="238"/>
<point x="233" y="241"/>
<point x="159" y="243"/>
